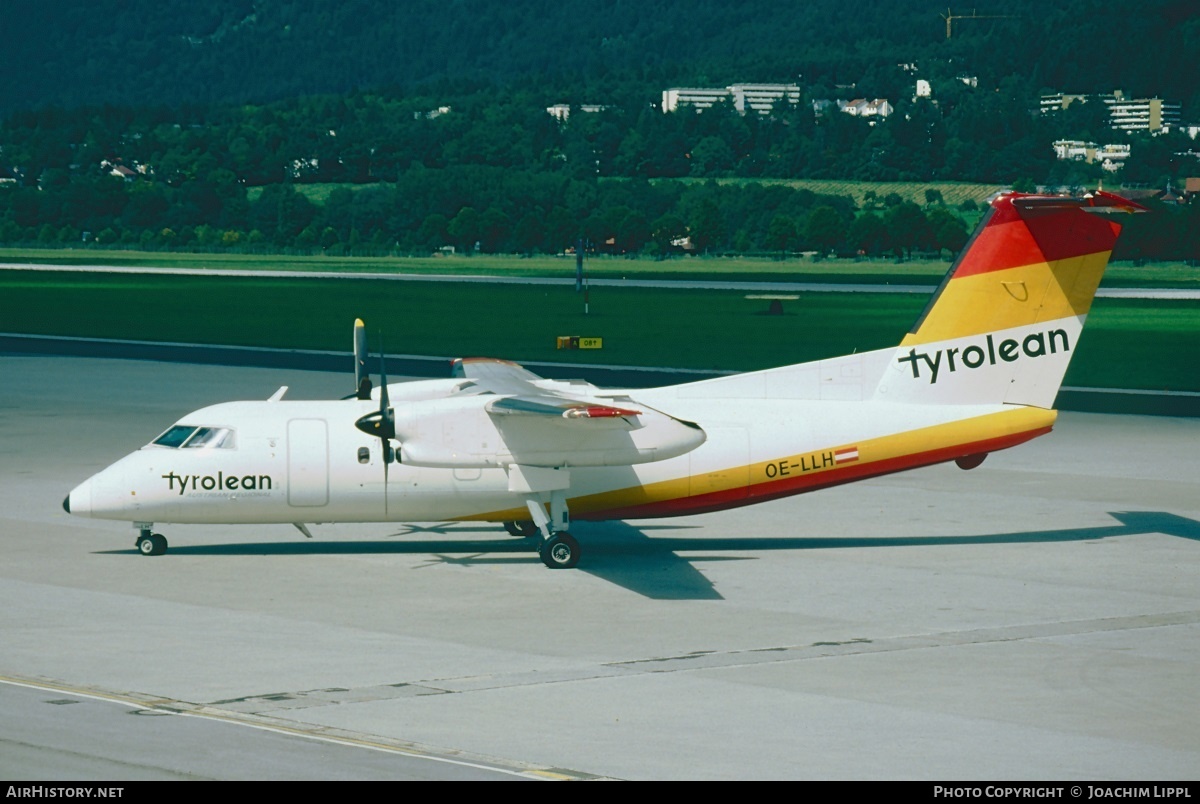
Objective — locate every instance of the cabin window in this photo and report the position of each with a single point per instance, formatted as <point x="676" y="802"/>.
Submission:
<point x="211" y="437"/>
<point x="189" y="436"/>
<point x="364" y="455"/>
<point x="175" y="436"/>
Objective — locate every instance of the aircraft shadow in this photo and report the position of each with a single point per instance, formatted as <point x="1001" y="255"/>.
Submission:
<point x="651" y="565"/>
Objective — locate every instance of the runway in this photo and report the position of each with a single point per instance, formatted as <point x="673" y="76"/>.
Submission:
<point x="1035" y="618"/>
<point x="689" y="283"/>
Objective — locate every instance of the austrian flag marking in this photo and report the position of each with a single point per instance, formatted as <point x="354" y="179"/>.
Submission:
<point x="845" y="455"/>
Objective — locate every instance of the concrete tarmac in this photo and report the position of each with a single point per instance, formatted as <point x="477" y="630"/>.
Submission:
<point x="1037" y="618"/>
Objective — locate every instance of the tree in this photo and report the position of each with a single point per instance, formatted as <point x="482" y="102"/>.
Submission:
<point x="665" y="231"/>
<point x="824" y="230"/>
<point x="633" y="232"/>
<point x="707" y="226"/>
<point x="281" y="210"/>
<point x="494" y="230"/>
<point x="466" y="228"/>
<point x="711" y="157"/>
<point x="867" y="234"/>
<point x="434" y="231"/>
<point x="528" y="234"/>
<point x="781" y="234"/>
<point x="948" y="230"/>
<point x="907" y="229"/>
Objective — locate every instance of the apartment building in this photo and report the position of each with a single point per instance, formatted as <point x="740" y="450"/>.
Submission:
<point x="759" y="98"/>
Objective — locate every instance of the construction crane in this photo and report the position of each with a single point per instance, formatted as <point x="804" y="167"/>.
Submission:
<point x="950" y="16"/>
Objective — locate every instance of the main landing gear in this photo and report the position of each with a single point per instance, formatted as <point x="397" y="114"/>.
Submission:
<point x="150" y="544"/>
<point x="560" y="551"/>
<point x="538" y="485"/>
<point x="522" y="529"/>
<point x="558" y="548"/>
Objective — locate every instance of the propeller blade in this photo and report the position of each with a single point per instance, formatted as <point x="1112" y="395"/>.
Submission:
<point x="380" y="423"/>
<point x="386" y="415"/>
<point x="386" y="460"/>
<point x="387" y="420"/>
<point x="362" y="378"/>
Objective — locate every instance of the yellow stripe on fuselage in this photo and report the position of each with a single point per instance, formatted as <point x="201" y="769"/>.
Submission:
<point x="884" y="450"/>
<point x="1012" y="297"/>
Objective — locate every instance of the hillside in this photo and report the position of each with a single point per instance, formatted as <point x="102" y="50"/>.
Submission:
<point x="149" y="52"/>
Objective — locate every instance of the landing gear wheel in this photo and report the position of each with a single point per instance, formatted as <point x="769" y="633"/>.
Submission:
<point x="522" y="529"/>
<point x="153" y="545"/>
<point x="560" y="551"/>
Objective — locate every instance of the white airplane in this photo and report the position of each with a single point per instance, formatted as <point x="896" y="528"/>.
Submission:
<point x="977" y="373"/>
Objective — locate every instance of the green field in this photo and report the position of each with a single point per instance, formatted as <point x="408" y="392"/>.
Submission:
<point x="1129" y="343"/>
<point x="733" y="268"/>
<point x="744" y="269"/>
<point x="953" y="192"/>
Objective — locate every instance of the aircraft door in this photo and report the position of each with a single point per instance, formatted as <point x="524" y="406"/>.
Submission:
<point x="308" y="463"/>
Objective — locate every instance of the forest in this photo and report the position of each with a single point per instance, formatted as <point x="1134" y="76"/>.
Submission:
<point x="72" y="53"/>
<point x="460" y="152"/>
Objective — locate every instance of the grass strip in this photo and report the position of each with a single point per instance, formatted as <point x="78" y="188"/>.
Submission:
<point x="1129" y="343"/>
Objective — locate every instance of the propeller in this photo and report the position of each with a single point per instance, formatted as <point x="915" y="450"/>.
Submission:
<point x="362" y="378"/>
<point x="381" y="423"/>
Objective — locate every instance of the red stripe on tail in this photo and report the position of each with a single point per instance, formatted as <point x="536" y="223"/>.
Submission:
<point x="1041" y="229"/>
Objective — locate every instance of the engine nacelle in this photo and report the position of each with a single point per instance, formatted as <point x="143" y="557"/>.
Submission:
<point x="461" y="433"/>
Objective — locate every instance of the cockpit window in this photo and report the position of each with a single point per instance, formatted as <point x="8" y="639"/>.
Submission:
<point x="212" y="437"/>
<point x="175" y="436"/>
<point x="192" y="437"/>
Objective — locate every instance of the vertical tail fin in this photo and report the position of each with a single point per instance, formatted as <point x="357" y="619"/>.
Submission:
<point x="1004" y="323"/>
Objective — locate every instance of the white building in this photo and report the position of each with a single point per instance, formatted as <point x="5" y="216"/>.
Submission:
<point x="1125" y="114"/>
<point x="760" y="98"/>
<point x="1111" y="157"/>
<point x="432" y="114"/>
<point x="1142" y="114"/>
<point x="562" y="111"/>
<point x="1061" y="100"/>
<point x="861" y="107"/>
<point x="763" y="97"/>
<point x="696" y="97"/>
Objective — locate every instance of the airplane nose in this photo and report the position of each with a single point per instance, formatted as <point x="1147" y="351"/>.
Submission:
<point x="79" y="501"/>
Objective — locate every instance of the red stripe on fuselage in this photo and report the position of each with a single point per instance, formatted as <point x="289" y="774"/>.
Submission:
<point x="787" y="487"/>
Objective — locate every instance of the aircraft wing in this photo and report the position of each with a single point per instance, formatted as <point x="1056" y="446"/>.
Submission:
<point x="496" y="376"/>
<point x="519" y="395"/>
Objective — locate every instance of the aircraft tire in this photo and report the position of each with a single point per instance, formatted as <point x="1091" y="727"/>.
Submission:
<point x="560" y="551"/>
<point x="522" y="529"/>
<point x="153" y="545"/>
